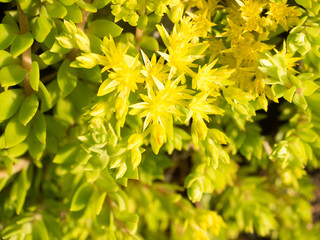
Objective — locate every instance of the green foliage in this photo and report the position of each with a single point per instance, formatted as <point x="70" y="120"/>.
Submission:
<point x="144" y="119"/>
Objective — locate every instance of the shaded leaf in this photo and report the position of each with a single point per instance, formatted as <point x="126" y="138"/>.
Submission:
<point x="15" y="132"/>
<point x="103" y="27"/>
<point x="67" y="78"/>
<point x="12" y="75"/>
<point x="81" y="197"/>
<point x="28" y="109"/>
<point x="7" y="35"/>
<point x="21" y="43"/>
<point x="10" y="102"/>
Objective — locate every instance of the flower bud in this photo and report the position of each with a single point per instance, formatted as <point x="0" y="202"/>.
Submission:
<point x="135" y="157"/>
<point x="65" y="42"/>
<point x="195" y="192"/>
<point x="82" y="41"/>
<point x="121" y="170"/>
<point x="135" y="141"/>
<point x="87" y="60"/>
<point x="70" y="26"/>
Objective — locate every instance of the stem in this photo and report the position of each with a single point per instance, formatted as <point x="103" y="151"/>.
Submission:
<point x="49" y="77"/>
<point x="139" y="34"/>
<point x="26" y="56"/>
<point x="24" y="163"/>
<point x="266" y="146"/>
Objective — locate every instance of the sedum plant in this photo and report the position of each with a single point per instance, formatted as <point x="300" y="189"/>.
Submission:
<point x="159" y="119"/>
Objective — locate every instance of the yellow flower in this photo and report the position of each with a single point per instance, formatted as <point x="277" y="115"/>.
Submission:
<point x="250" y="12"/>
<point x="233" y="30"/>
<point x="124" y="79"/>
<point x="200" y="107"/>
<point x="154" y="71"/>
<point x="182" y="49"/>
<point x="284" y="15"/>
<point x="209" y="79"/>
<point x="247" y="49"/>
<point x="159" y="107"/>
<point x="287" y="59"/>
<point x="114" y="54"/>
<point x="202" y="22"/>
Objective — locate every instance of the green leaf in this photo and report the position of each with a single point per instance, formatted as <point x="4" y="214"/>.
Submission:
<point x="130" y="220"/>
<point x="8" y="162"/>
<point x="44" y="96"/>
<point x="95" y="43"/>
<point x="300" y="101"/>
<point x="66" y="154"/>
<point x="56" y="9"/>
<point x="12" y="75"/>
<point x="74" y="14"/>
<point x="149" y="43"/>
<point x="81" y="197"/>
<point x="42" y="26"/>
<point x="54" y="228"/>
<point x="288" y="94"/>
<point x="309" y="87"/>
<point x="34" y="76"/>
<point x="18" y="150"/>
<point x="2" y="143"/>
<point x="30" y="7"/>
<point x="55" y="94"/>
<point x="103" y="27"/>
<point x="65" y="111"/>
<point x="52" y="144"/>
<point x="21" y="44"/>
<point x="99" y="203"/>
<point x="55" y="128"/>
<point x="23" y="187"/>
<point x="67" y="78"/>
<point x="305" y="3"/>
<point x="35" y="147"/>
<point x="39" y="230"/>
<point x="10" y="102"/>
<point x="313" y="102"/>
<point x="15" y="132"/>
<point x="100" y="3"/>
<point x="50" y="58"/>
<point x="10" y="19"/>
<point x="7" y="59"/>
<point x="13" y="230"/>
<point x="106" y="182"/>
<point x="28" y="109"/>
<point x="68" y="2"/>
<point x="80" y="96"/>
<point x="39" y="126"/>
<point x="278" y="90"/>
<point x="142" y="22"/>
<point x="86" y="6"/>
<point x="92" y="74"/>
<point x="7" y="35"/>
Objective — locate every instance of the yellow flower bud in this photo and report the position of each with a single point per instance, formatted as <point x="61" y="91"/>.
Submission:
<point x="135" y="157"/>
<point x="135" y="141"/>
<point x="65" y="42"/>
